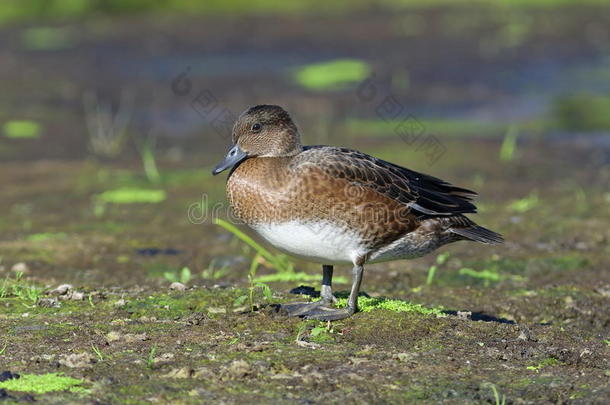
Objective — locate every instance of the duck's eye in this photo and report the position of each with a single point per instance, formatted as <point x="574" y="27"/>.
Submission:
<point x="257" y="127"/>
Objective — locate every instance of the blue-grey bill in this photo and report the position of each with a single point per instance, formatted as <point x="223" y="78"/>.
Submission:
<point x="234" y="156"/>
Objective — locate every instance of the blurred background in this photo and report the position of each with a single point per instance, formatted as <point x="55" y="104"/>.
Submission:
<point x="112" y="114"/>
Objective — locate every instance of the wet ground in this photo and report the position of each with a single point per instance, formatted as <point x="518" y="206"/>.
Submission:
<point x="525" y="322"/>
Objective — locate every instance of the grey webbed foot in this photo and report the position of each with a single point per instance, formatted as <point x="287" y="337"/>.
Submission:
<point x="322" y="310"/>
<point x="324" y="313"/>
<point x="299" y="308"/>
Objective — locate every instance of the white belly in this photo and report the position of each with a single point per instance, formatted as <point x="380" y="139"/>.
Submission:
<point x="320" y="242"/>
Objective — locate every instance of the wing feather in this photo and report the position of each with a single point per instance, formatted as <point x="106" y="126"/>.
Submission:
<point x="425" y="194"/>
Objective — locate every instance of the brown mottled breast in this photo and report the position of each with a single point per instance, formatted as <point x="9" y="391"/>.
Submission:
<point x="258" y="190"/>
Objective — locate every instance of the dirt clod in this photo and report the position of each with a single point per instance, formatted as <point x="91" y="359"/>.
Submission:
<point x="239" y="369"/>
<point x="77" y="360"/>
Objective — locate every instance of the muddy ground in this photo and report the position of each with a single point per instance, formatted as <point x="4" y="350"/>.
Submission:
<point x="538" y="332"/>
<point x="527" y="322"/>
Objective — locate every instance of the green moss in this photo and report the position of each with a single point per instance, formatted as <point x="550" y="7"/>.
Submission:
<point x="43" y="383"/>
<point x="487" y="275"/>
<point x="525" y="204"/>
<point x="368" y="304"/>
<point x="321" y="334"/>
<point x="522" y="383"/>
<point x="131" y="196"/>
<point x="550" y="361"/>
<point x="175" y="305"/>
<point x="332" y="74"/>
<point x="162" y="306"/>
<point x="21" y="129"/>
<point x="496" y="269"/>
<point x="40" y="237"/>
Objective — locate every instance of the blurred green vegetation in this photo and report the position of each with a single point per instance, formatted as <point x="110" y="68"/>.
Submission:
<point x="47" y="38"/>
<point x="332" y="74"/>
<point x="21" y="129"/>
<point x="582" y="112"/>
<point x="28" y="10"/>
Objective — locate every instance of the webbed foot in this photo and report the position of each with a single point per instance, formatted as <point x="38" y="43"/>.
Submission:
<point x="299" y="308"/>
<point x="324" y="313"/>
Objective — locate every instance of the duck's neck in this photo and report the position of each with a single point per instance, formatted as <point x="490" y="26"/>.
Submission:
<point x="262" y="171"/>
<point x="257" y="182"/>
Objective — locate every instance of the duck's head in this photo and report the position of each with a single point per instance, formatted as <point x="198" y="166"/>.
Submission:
<point x="262" y="131"/>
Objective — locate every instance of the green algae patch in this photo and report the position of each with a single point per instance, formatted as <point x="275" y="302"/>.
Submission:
<point x="41" y="237"/>
<point x="332" y="74"/>
<point x="178" y="304"/>
<point x="525" y="204"/>
<point x="131" y="196"/>
<point x="43" y="383"/>
<point x="487" y="275"/>
<point x="163" y="306"/>
<point x="368" y="304"/>
<point x="21" y="129"/>
<point x="548" y="362"/>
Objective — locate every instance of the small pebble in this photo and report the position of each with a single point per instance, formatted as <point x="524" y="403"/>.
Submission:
<point x="184" y="372"/>
<point x="48" y="303"/>
<point x="203" y="372"/>
<point x="239" y="369"/>
<point x="77" y="360"/>
<point x="164" y="359"/>
<point x="77" y="296"/>
<point x="177" y="286"/>
<point x="20" y="267"/>
<point x="61" y="290"/>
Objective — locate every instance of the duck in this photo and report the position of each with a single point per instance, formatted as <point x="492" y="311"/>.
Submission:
<point x="337" y="206"/>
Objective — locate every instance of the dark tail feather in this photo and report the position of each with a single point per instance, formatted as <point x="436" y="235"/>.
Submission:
<point x="479" y="234"/>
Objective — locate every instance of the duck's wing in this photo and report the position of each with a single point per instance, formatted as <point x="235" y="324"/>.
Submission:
<point x="424" y="194"/>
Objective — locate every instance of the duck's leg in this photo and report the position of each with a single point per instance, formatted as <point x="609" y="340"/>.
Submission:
<point x="326" y="294"/>
<point x="324" y="313"/>
<point x="326" y="290"/>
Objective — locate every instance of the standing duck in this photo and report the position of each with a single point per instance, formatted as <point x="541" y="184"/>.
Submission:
<point x="334" y="205"/>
